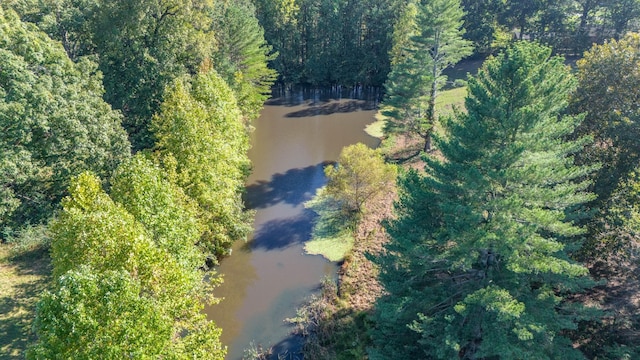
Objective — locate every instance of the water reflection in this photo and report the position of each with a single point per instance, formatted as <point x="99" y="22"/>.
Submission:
<point x="332" y="108"/>
<point x="269" y="277"/>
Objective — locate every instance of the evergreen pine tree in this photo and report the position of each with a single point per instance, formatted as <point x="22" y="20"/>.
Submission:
<point x="435" y="44"/>
<point x="478" y="266"/>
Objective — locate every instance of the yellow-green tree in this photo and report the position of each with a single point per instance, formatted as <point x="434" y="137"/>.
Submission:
<point x="202" y="144"/>
<point x="124" y="286"/>
<point x="359" y="176"/>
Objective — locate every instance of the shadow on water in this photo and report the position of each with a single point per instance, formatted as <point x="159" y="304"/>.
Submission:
<point x="289" y="348"/>
<point x="293" y="187"/>
<point x="282" y="233"/>
<point x="332" y="108"/>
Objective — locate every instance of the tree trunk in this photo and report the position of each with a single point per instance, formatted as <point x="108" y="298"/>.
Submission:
<point x="427" y="141"/>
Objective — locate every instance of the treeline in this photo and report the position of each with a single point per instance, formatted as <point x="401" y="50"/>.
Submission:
<point x="569" y="26"/>
<point x="142" y="58"/>
<point x="125" y="130"/>
<point x="326" y="42"/>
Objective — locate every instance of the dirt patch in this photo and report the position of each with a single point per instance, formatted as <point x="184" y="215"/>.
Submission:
<point x="359" y="285"/>
<point x="618" y="296"/>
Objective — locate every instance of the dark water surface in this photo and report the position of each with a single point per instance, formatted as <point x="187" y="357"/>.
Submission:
<point x="269" y="277"/>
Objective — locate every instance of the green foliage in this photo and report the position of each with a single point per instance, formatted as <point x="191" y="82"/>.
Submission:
<point x="99" y="316"/>
<point x="95" y="231"/>
<point x="164" y="210"/>
<point x="202" y="144"/>
<point x="54" y="123"/>
<point x="29" y="239"/>
<point x="143" y="46"/>
<point x="67" y="21"/>
<point x="481" y="23"/>
<point x="478" y="265"/>
<point x="406" y="93"/>
<point x="156" y="273"/>
<point x="435" y="43"/>
<point x="608" y="89"/>
<point x="358" y="178"/>
<point x="242" y="55"/>
<point x="326" y="42"/>
<point x="332" y="235"/>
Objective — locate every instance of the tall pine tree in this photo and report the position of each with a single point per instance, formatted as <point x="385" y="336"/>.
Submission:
<point x="414" y="82"/>
<point x="478" y="266"/>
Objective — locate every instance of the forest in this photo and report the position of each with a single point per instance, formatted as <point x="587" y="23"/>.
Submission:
<point x="506" y="228"/>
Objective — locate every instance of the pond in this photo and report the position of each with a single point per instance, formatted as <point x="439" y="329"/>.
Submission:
<point x="269" y="277"/>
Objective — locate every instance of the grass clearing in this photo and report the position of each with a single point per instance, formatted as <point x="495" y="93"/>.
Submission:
<point x="332" y="235"/>
<point x="24" y="274"/>
<point x="450" y="99"/>
<point x="376" y="128"/>
<point x="333" y="248"/>
<point x="446" y="102"/>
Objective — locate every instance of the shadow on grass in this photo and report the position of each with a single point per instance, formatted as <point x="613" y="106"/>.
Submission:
<point x="24" y="277"/>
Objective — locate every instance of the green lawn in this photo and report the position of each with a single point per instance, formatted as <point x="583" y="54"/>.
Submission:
<point x="23" y="276"/>
<point x="449" y="99"/>
<point x="446" y="101"/>
<point x="333" y="248"/>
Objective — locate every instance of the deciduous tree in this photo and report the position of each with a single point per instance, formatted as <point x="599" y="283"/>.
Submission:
<point x="169" y="216"/>
<point x="53" y="121"/>
<point x="358" y="178"/>
<point x="608" y="91"/>
<point x="202" y="143"/>
<point x="143" y="46"/>
<point x="97" y="315"/>
<point x="122" y="269"/>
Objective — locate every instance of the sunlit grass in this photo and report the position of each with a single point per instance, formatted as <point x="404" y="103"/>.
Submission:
<point x="376" y="128"/>
<point x="450" y="99"/>
<point x="334" y="248"/>
<point x="332" y="235"/>
<point x="24" y="274"/>
<point x="446" y="101"/>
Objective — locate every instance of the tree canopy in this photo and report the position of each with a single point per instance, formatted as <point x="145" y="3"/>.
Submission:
<point x="54" y="123"/>
<point x="242" y="54"/>
<point x="478" y="266"/>
<point x="99" y="316"/>
<point x="358" y="178"/>
<point x="434" y="43"/>
<point x="608" y="83"/>
<point x="137" y="285"/>
<point x="202" y="144"/>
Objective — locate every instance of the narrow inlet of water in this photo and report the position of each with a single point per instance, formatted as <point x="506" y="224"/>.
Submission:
<point x="269" y="277"/>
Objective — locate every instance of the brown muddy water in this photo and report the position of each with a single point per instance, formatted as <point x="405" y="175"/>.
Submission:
<point x="269" y="277"/>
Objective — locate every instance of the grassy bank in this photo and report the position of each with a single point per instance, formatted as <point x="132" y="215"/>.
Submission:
<point x="446" y="101"/>
<point x="24" y="273"/>
<point x="336" y="323"/>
